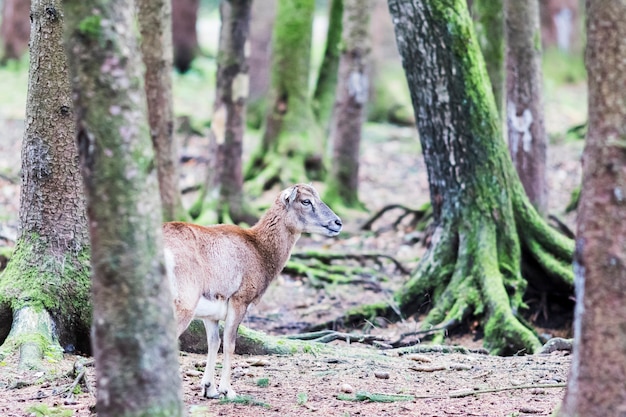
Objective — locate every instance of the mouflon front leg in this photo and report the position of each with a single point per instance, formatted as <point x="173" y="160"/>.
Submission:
<point x="209" y="389"/>
<point x="231" y="324"/>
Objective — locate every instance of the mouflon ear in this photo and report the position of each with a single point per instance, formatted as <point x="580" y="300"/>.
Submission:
<point x="288" y="196"/>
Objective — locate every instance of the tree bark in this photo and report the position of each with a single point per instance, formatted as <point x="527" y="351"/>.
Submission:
<point x="156" y="48"/>
<point x="489" y="15"/>
<point x="324" y="94"/>
<point x="351" y="100"/>
<point x="595" y="385"/>
<point x="48" y="273"/>
<point x="15" y="29"/>
<point x="134" y="331"/>
<point x="527" y="135"/>
<point x="291" y="147"/>
<point x="229" y="110"/>
<point x="184" y="34"/>
<point x="484" y="223"/>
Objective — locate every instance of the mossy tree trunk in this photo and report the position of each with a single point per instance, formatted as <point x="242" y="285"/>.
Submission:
<point x="489" y="24"/>
<point x="598" y="371"/>
<point x="527" y="136"/>
<point x="484" y="224"/>
<point x="350" y="104"/>
<point x="45" y="286"/>
<point x="134" y="331"/>
<point x="155" y="24"/>
<point x="292" y="144"/>
<point x="324" y="94"/>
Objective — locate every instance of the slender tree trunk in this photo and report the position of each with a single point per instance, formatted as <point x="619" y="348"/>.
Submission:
<point x="184" y="34"/>
<point x="47" y="279"/>
<point x="484" y="223"/>
<point x="229" y="110"/>
<point x="489" y="15"/>
<point x="15" y="28"/>
<point x="324" y="95"/>
<point x="351" y="99"/>
<point x="134" y="331"/>
<point x="291" y="146"/>
<point x="524" y="99"/>
<point x="598" y="371"/>
<point x="156" y="48"/>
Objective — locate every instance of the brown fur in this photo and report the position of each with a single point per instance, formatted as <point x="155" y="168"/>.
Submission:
<point x="217" y="271"/>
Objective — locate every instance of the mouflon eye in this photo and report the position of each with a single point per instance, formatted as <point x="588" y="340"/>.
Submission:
<point x="306" y="202"/>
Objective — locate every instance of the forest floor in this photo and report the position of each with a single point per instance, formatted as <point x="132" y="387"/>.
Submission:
<point x="351" y="379"/>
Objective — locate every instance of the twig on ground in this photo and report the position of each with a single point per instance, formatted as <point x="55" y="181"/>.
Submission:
<point x="416" y="213"/>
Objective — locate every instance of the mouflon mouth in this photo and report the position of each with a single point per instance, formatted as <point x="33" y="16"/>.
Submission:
<point x="332" y="231"/>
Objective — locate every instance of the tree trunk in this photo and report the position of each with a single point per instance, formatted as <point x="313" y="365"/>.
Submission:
<point x="156" y="48"/>
<point x="184" y="34"/>
<point x="291" y="147"/>
<point x="351" y="99"/>
<point x="527" y="135"/>
<point x="14" y="29"/>
<point x="261" y="24"/>
<point x="484" y="223"/>
<point x="48" y="274"/>
<point x="134" y="331"/>
<point x="598" y="371"/>
<point x="489" y="23"/>
<point x="324" y="95"/>
<point x="560" y="24"/>
<point x="229" y="110"/>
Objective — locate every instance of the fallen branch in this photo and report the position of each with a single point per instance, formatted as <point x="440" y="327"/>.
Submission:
<point x="327" y="336"/>
<point x="468" y="392"/>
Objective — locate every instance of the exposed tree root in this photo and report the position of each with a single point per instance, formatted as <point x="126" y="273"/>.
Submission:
<point x="475" y="272"/>
<point x="327" y="336"/>
<point x="321" y="268"/>
<point x="418" y="219"/>
<point x="32" y="336"/>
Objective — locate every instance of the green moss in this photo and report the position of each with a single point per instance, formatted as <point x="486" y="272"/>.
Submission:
<point x="39" y="279"/>
<point x="90" y="26"/>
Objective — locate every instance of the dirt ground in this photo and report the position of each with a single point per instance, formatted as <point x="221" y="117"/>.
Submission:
<point x="356" y="379"/>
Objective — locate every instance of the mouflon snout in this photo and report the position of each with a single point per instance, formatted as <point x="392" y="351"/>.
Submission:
<point x="334" y="226"/>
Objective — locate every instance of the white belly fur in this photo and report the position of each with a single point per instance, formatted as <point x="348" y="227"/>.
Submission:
<point x="211" y="309"/>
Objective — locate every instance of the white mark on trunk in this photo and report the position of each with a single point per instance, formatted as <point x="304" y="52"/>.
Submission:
<point x="519" y="127"/>
<point x="170" y="264"/>
<point x="240" y="87"/>
<point x="358" y="86"/>
<point x="218" y="124"/>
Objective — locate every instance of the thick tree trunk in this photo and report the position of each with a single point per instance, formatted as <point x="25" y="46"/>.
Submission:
<point x="489" y="22"/>
<point x="48" y="274"/>
<point x="184" y="34"/>
<point x="484" y="224"/>
<point x="155" y="23"/>
<point x="291" y="147"/>
<point x="350" y="103"/>
<point x="596" y="382"/>
<point x="324" y="94"/>
<point x="527" y="135"/>
<point x="14" y="29"/>
<point x="134" y="331"/>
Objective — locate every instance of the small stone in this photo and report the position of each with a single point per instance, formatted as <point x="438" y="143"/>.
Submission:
<point x="192" y="372"/>
<point x="381" y="375"/>
<point x="347" y="388"/>
<point x="418" y="358"/>
<point x="259" y="362"/>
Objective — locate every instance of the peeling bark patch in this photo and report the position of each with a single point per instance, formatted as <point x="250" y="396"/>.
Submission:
<point x="39" y="154"/>
<point x="240" y="87"/>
